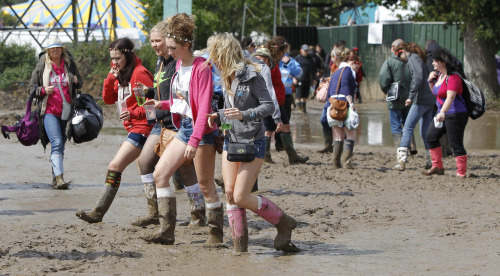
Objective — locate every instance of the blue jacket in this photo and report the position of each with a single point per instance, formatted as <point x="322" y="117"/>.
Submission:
<point x="288" y="71"/>
<point x="347" y="85"/>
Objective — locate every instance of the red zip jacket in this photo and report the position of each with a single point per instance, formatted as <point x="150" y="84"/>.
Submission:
<point x="110" y="94"/>
<point x="279" y="87"/>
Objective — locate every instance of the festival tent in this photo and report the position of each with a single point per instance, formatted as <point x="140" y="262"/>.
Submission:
<point x="96" y="14"/>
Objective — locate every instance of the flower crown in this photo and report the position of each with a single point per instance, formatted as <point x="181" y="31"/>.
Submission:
<point x="180" y="38"/>
<point x="122" y="50"/>
<point x="277" y="46"/>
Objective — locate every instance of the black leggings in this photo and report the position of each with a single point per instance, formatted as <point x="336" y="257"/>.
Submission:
<point x="454" y="126"/>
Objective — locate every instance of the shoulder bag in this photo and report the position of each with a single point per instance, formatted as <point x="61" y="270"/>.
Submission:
<point x="393" y="92"/>
<point x="339" y="108"/>
<point x="240" y="152"/>
<point x="323" y="91"/>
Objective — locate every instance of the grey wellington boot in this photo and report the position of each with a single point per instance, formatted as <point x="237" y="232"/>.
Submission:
<point x="167" y="214"/>
<point x="293" y="157"/>
<point x="337" y="152"/>
<point x="152" y="216"/>
<point x="267" y="155"/>
<point x="215" y="220"/>
<point x="101" y="207"/>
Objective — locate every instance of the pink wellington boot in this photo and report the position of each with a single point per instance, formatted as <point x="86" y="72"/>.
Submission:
<point x="283" y="222"/>
<point x="461" y="165"/>
<point x="437" y="162"/>
<point x="239" y="228"/>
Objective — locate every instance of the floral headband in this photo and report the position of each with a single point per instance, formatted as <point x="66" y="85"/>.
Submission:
<point x="277" y="46"/>
<point x="180" y="38"/>
<point x="122" y="50"/>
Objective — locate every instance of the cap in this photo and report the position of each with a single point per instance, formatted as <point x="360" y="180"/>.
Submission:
<point x="263" y="52"/>
<point x="304" y="47"/>
<point x="54" y="42"/>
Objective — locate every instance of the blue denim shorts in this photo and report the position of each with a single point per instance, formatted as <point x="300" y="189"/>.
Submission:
<point x="136" y="139"/>
<point x="186" y="130"/>
<point x="156" y="129"/>
<point x="258" y="145"/>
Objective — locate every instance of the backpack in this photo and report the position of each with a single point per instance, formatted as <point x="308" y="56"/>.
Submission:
<point x="26" y="128"/>
<point x="474" y="98"/>
<point x="86" y="121"/>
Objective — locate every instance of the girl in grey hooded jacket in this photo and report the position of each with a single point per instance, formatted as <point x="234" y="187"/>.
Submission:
<point x="247" y="102"/>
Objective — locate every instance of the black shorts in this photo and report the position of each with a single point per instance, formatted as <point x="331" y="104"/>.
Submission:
<point x="302" y="90"/>
<point x="269" y="121"/>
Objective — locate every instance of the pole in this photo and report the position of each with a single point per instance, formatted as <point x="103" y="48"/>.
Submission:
<point x="308" y="9"/>
<point x="274" y="25"/>
<point x="114" y="36"/>
<point x="281" y="11"/>
<point x="243" y="23"/>
<point x="297" y="13"/>
<point x="75" y="23"/>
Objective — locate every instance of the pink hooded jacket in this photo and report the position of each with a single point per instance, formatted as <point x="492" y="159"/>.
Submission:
<point x="200" y="99"/>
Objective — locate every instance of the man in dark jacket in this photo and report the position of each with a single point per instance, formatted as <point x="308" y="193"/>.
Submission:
<point x="308" y="74"/>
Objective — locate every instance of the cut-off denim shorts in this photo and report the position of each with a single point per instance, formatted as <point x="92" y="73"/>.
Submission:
<point x="136" y="139"/>
<point x="186" y="130"/>
<point x="258" y="145"/>
<point x="156" y="129"/>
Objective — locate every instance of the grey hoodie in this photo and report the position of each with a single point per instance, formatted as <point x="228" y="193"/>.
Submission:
<point x="253" y="100"/>
<point x="420" y="93"/>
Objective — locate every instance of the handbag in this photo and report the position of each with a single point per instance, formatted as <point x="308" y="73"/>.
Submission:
<point x="393" y="91"/>
<point x="339" y="108"/>
<point x="240" y="152"/>
<point x="166" y="136"/>
<point x="323" y="91"/>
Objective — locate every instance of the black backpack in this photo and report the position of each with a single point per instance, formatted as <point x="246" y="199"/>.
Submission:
<point x="86" y="121"/>
<point x="474" y="98"/>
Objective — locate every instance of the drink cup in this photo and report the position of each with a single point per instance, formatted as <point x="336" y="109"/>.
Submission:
<point x="139" y="95"/>
<point x="150" y="114"/>
<point x="121" y="106"/>
<point x="226" y="126"/>
<point x="437" y="123"/>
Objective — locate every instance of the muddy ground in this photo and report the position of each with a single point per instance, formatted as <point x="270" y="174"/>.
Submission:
<point x="368" y="221"/>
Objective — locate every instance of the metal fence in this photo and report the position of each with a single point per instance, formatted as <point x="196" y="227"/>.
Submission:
<point x="373" y="56"/>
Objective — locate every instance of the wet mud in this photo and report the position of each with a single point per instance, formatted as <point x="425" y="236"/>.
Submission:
<point x="371" y="220"/>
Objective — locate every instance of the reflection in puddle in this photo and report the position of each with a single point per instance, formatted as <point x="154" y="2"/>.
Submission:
<point x="375" y="129"/>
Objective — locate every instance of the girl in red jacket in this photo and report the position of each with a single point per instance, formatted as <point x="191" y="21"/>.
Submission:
<point x="126" y="72"/>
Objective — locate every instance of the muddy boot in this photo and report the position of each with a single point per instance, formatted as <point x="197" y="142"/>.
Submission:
<point x="402" y="155"/>
<point x="152" y="216"/>
<point x="428" y="160"/>
<point x="396" y="137"/>
<point x="293" y="157"/>
<point x="215" y="220"/>
<point x="328" y="135"/>
<point x="337" y="152"/>
<point x="346" y="157"/>
<point x="113" y="180"/>
<point x="437" y="162"/>
<point x="237" y="218"/>
<point x="267" y="155"/>
<point x="278" y="144"/>
<point x="299" y="107"/>
<point x="304" y="104"/>
<point x="413" y="145"/>
<point x="178" y="180"/>
<point x="461" y="165"/>
<point x="60" y="184"/>
<point x="196" y="206"/>
<point x="283" y="222"/>
<point x="167" y="213"/>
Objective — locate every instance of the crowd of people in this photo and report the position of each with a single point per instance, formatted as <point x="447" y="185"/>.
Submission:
<point x="246" y="92"/>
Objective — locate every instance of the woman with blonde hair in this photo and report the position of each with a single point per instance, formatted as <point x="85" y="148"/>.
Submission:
<point x="190" y="101"/>
<point x="247" y="102"/>
<point x="342" y="81"/>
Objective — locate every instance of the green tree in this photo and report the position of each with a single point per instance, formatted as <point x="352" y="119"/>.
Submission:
<point x="479" y="21"/>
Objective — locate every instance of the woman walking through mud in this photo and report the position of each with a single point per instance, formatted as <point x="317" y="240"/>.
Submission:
<point x="192" y="100"/>
<point x="126" y="71"/>
<point x="186" y="175"/>
<point x="247" y="102"/>
<point x="56" y="79"/>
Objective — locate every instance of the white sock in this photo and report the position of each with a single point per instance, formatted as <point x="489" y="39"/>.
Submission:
<point x="230" y="207"/>
<point x="164" y="192"/>
<point x="214" y="205"/>
<point x="147" y="178"/>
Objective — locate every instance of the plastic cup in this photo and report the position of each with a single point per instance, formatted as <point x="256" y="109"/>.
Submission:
<point x="437" y="124"/>
<point x="140" y="96"/>
<point x="150" y="114"/>
<point x="226" y="126"/>
<point x="121" y="106"/>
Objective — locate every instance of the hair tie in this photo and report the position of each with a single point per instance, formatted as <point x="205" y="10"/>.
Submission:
<point x="176" y="37"/>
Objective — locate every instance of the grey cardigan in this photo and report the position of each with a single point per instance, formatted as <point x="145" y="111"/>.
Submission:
<point x="252" y="98"/>
<point x="420" y="93"/>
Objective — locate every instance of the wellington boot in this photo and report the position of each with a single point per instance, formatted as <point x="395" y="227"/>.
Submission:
<point x="461" y="165"/>
<point x="215" y="220"/>
<point x="167" y="213"/>
<point x="413" y="145"/>
<point x="345" y="159"/>
<point x="267" y="155"/>
<point x="152" y="217"/>
<point x="101" y="207"/>
<point x="337" y="152"/>
<point x="196" y="206"/>
<point x="326" y="149"/>
<point x="437" y="162"/>
<point x="178" y="180"/>
<point x="197" y="219"/>
<point x="278" y="144"/>
<point x="428" y="160"/>
<point x="60" y="184"/>
<point x="239" y="228"/>
<point x="304" y="109"/>
<point x="396" y="137"/>
<point x="293" y="157"/>
<point x="402" y="155"/>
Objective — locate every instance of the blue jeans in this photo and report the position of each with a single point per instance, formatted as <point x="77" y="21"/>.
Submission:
<point x="398" y="118"/>
<point x="56" y="132"/>
<point x="417" y="112"/>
